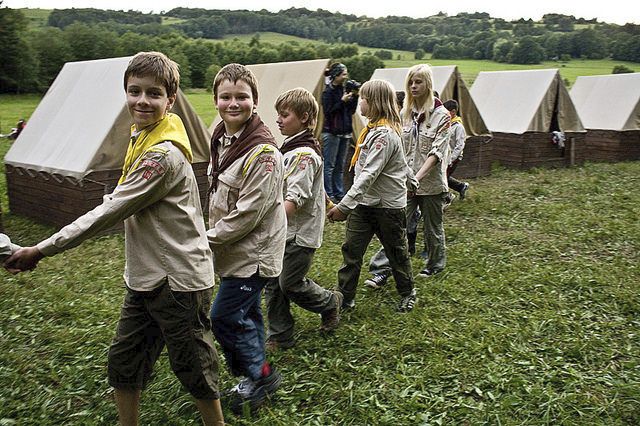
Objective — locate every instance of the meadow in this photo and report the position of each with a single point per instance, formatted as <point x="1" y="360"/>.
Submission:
<point x="535" y="321"/>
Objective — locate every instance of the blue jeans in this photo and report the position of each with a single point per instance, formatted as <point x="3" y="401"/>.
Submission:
<point x="333" y="151"/>
<point x="237" y="324"/>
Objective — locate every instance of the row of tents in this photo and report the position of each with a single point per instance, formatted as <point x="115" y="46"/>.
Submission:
<point x="71" y="152"/>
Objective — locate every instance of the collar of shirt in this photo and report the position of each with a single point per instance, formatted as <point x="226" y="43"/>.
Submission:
<point x="288" y="138"/>
<point x="227" y="140"/>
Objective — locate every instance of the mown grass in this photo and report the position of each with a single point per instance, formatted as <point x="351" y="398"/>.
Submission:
<point x="277" y="38"/>
<point x="536" y="320"/>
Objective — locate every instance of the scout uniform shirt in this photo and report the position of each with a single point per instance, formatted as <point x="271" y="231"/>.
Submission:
<point x="380" y="173"/>
<point x="457" y="139"/>
<point x="247" y="222"/>
<point x="423" y="136"/>
<point x="165" y="235"/>
<point x="303" y="186"/>
<point x="7" y="248"/>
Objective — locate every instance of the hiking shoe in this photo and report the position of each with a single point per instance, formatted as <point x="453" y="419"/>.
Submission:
<point x="275" y="346"/>
<point x="463" y="190"/>
<point x="251" y="394"/>
<point x="426" y="272"/>
<point x="377" y="280"/>
<point x="407" y="302"/>
<point x="331" y="317"/>
<point x="348" y="305"/>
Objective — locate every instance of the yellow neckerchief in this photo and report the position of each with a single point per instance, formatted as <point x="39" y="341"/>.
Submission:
<point x="170" y="128"/>
<point x="456" y="119"/>
<point x="363" y="136"/>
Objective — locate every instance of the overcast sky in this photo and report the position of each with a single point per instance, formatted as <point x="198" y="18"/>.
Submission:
<point x="612" y="11"/>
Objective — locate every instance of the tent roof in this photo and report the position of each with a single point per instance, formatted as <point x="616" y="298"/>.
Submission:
<point x="522" y="101"/>
<point x="609" y="102"/>
<point x="449" y="85"/>
<point x="82" y="123"/>
<point x="276" y="78"/>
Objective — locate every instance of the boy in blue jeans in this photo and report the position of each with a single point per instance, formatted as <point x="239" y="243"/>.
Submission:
<point x="169" y="288"/>
<point x="305" y="206"/>
<point x="247" y="232"/>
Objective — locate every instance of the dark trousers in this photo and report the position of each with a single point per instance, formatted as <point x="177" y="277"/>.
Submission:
<point x="293" y="286"/>
<point x="390" y="226"/>
<point x="236" y="320"/>
<point x="454" y="183"/>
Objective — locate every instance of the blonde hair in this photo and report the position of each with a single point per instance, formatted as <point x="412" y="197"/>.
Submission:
<point x="156" y="65"/>
<point x="235" y="73"/>
<point x="422" y="71"/>
<point x="299" y="100"/>
<point x="381" y="99"/>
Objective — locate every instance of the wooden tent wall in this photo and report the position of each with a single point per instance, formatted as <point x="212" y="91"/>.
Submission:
<point x="59" y="201"/>
<point x="534" y="149"/>
<point x="477" y="158"/>
<point x="612" y="146"/>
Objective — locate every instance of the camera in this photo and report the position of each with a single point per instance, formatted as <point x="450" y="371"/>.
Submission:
<point x="352" y="86"/>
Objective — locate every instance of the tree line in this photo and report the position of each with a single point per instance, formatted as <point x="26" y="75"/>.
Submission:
<point x="33" y="56"/>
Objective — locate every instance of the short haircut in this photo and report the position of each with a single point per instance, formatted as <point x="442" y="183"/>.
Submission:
<point x="156" y="65"/>
<point x="381" y="100"/>
<point x="451" y="104"/>
<point x="235" y="73"/>
<point x="299" y="100"/>
<point x="424" y="72"/>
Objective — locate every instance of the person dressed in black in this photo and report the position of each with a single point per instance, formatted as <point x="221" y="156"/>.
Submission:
<point x="337" y="129"/>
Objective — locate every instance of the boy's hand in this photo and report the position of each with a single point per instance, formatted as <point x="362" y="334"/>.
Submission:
<point x="335" y="215"/>
<point x="25" y="259"/>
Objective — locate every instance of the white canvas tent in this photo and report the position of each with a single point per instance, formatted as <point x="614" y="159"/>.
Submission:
<point x="449" y="85"/>
<point x="72" y="150"/>
<point x="522" y="108"/>
<point x="276" y="78"/>
<point x="609" y="107"/>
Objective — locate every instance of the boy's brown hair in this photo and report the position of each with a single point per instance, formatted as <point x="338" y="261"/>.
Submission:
<point x="157" y="65"/>
<point x="235" y="73"/>
<point x="299" y="101"/>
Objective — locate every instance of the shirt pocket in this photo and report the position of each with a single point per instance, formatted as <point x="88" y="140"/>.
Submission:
<point x="227" y="193"/>
<point x="426" y="140"/>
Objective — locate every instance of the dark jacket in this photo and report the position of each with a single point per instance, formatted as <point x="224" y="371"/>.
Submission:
<point x="337" y="114"/>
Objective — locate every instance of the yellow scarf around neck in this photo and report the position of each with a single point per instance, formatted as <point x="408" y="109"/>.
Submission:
<point x="170" y="128"/>
<point x="456" y="119"/>
<point x="363" y="136"/>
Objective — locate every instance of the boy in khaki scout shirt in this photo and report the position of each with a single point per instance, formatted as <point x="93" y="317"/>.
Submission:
<point x="169" y="290"/>
<point x="305" y="206"/>
<point x="247" y="232"/>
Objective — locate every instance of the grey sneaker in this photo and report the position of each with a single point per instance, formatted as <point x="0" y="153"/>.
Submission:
<point x="331" y="317"/>
<point x="252" y="394"/>
<point x="377" y="280"/>
<point x="450" y="197"/>
<point x="407" y="302"/>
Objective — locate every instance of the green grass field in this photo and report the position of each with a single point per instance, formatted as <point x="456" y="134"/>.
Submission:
<point x="534" y="321"/>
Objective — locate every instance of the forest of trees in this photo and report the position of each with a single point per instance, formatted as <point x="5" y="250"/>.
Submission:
<point x="33" y="55"/>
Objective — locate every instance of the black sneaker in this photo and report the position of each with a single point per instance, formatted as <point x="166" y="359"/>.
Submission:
<point x="249" y="395"/>
<point x="463" y="190"/>
<point x="407" y="302"/>
<point x="449" y="199"/>
<point x="331" y="317"/>
<point x="426" y="272"/>
<point x="377" y="280"/>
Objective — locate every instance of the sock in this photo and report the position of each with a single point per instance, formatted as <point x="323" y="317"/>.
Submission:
<point x="266" y="369"/>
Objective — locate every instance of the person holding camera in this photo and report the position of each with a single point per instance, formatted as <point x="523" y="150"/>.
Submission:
<point x="339" y="105"/>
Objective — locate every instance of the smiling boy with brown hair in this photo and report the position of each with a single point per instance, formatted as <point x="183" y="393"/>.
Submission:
<point x="169" y="270"/>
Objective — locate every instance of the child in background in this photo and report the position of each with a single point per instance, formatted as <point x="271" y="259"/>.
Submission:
<point x="376" y="203"/>
<point x="247" y="232"/>
<point x="304" y="202"/>
<point x="169" y="287"/>
<point x="456" y="144"/>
